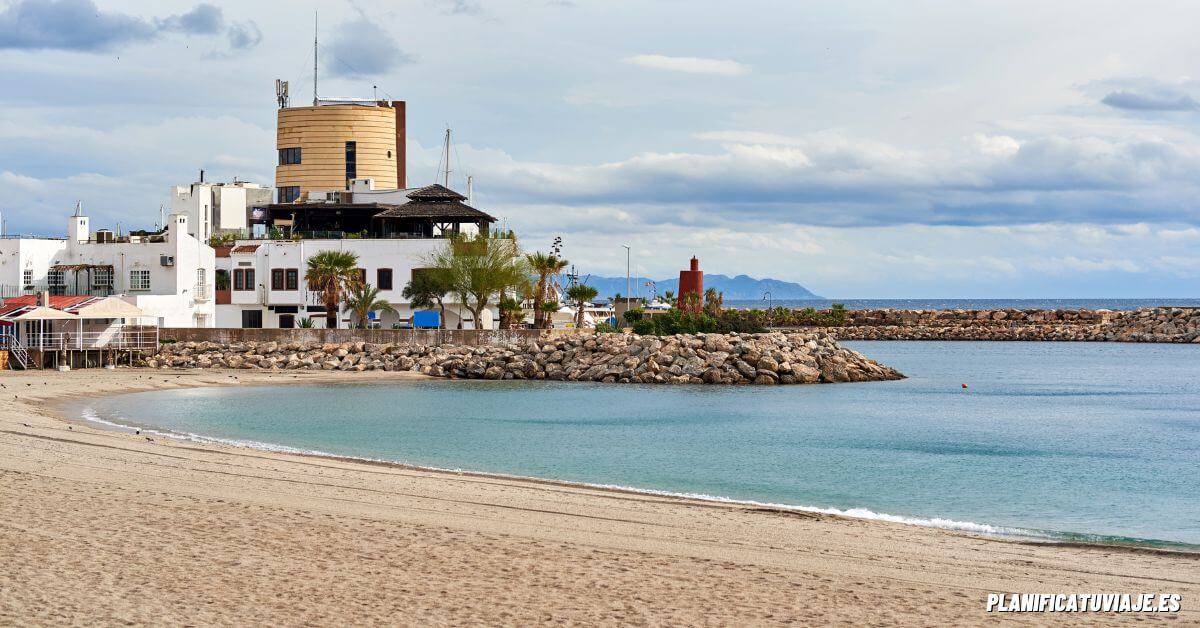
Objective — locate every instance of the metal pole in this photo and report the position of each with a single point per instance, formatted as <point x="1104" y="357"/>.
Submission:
<point x="628" y="287"/>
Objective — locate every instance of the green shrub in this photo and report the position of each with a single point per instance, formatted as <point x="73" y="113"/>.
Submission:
<point x="634" y="315"/>
<point x="606" y="328"/>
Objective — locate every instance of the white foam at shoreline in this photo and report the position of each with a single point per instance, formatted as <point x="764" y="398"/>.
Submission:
<point x="89" y="414"/>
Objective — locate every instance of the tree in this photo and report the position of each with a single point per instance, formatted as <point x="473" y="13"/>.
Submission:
<point x="545" y="266"/>
<point x="481" y="267"/>
<point x="669" y="297"/>
<point x="427" y="289"/>
<point x="332" y="273"/>
<point x="713" y="301"/>
<point x="581" y="294"/>
<point x="364" y="299"/>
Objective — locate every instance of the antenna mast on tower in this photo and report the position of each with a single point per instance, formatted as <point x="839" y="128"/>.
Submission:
<point x="316" y="17"/>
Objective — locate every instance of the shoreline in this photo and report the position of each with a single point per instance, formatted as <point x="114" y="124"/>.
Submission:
<point x="863" y="513"/>
<point x="550" y="512"/>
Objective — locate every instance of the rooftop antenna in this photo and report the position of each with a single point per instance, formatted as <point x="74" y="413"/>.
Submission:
<point x="161" y="222"/>
<point x="281" y="93"/>
<point x="78" y="208"/>
<point x="446" y="158"/>
<point x="470" y="189"/>
<point x="316" y="101"/>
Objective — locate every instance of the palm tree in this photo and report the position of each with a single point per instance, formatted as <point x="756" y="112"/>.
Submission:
<point x="545" y="266"/>
<point x="332" y="273"/>
<point x="581" y="294"/>
<point x="669" y="297"/>
<point x="364" y="299"/>
<point x="713" y="301"/>
<point x="427" y="289"/>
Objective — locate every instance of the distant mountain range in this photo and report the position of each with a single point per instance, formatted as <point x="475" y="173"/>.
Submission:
<point x="738" y="288"/>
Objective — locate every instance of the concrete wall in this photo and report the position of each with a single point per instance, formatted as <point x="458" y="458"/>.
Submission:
<point x="378" y="336"/>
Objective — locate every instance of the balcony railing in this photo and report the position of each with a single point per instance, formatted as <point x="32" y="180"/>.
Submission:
<point x="126" y="338"/>
<point x="9" y="291"/>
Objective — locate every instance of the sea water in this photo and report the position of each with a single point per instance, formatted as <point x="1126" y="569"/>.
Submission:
<point x="1083" y="441"/>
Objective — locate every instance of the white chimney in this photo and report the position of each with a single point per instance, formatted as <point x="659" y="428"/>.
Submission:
<point x="78" y="230"/>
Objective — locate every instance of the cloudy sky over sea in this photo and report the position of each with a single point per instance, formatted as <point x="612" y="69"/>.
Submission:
<point x="864" y="149"/>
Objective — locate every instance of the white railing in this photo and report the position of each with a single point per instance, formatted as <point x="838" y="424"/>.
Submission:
<point x="202" y="292"/>
<point x="129" y="338"/>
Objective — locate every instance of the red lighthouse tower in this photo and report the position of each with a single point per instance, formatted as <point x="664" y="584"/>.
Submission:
<point x="690" y="282"/>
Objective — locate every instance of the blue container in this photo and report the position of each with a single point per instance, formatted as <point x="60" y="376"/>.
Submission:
<point x="428" y="319"/>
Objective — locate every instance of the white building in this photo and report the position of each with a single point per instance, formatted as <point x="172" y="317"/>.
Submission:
<point x="218" y="208"/>
<point x="392" y="240"/>
<point x="167" y="274"/>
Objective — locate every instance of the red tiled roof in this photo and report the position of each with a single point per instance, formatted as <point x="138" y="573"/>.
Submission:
<point x="65" y="303"/>
<point x="246" y="248"/>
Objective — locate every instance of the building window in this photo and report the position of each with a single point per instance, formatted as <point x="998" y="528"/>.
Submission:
<point x="101" y="277"/>
<point x="285" y="279"/>
<point x="383" y="279"/>
<point x="27" y="279"/>
<point x="55" y="278"/>
<point x="139" y="280"/>
<point x="289" y="193"/>
<point x="243" y="279"/>
<point x="201" y="277"/>
<point x="289" y="156"/>
<point x="351" y="161"/>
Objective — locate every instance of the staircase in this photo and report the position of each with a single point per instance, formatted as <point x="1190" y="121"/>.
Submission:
<point x="18" y="357"/>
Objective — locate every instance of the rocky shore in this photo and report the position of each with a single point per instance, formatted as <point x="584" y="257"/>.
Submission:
<point x="1165" y="324"/>
<point x="765" y="359"/>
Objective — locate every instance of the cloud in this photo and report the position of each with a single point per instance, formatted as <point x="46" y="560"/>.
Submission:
<point x="204" y="19"/>
<point x="244" y="36"/>
<point x="460" y="7"/>
<point x="689" y="65"/>
<point x="79" y="25"/>
<point x="362" y="48"/>
<point x="68" y="25"/>
<point x="1147" y="102"/>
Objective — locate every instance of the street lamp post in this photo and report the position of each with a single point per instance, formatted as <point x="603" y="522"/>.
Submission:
<point x="628" y="286"/>
<point x="770" y="305"/>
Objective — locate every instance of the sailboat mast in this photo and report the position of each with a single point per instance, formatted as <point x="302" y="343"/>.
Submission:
<point x="446" y="158"/>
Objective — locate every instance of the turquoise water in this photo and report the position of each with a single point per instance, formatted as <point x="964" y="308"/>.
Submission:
<point x="1068" y="440"/>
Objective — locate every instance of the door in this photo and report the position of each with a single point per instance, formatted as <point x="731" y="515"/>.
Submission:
<point x="251" y="319"/>
<point x="287" y="321"/>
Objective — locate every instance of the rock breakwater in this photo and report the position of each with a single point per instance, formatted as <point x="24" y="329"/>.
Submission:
<point x="765" y="359"/>
<point x="1163" y="324"/>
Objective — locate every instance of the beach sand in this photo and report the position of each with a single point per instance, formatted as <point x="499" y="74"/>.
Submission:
<point x="101" y="528"/>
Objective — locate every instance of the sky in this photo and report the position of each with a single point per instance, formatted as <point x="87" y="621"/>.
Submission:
<point x="870" y="149"/>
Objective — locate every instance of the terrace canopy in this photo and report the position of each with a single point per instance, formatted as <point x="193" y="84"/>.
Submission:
<point x="42" y="313"/>
<point x="111" y="307"/>
<point x="430" y="211"/>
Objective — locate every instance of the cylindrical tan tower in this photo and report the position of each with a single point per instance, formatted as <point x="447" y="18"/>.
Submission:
<point x="322" y="148"/>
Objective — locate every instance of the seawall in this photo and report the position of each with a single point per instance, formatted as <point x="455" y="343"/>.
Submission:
<point x="1163" y="324"/>
<point x="764" y="359"/>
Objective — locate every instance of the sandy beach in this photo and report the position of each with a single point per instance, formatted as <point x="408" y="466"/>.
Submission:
<point x="99" y="527"/>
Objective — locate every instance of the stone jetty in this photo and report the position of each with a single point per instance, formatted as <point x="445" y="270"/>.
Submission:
<point x="1162" y="324"/>
<point x="764" y="359"/>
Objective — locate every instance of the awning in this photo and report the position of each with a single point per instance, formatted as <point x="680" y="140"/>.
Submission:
<point x="110" y="307"/>
<point x="42" y="313"/>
